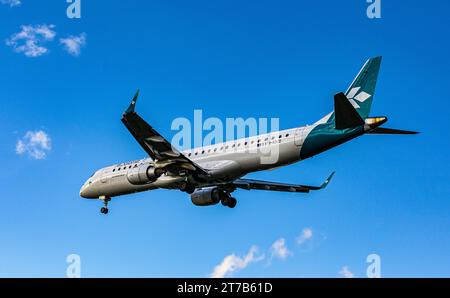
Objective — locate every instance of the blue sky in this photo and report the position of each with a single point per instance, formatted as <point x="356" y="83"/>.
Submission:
<point x="284" y="59"/>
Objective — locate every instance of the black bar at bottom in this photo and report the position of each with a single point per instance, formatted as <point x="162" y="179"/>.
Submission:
<point x="266" y="287"/>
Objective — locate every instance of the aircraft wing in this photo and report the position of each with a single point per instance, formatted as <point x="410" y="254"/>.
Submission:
<point x="275" y="186"/>
<point x="156" y="146"/>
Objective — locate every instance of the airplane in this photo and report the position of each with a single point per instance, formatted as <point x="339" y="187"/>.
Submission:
<point x="210" y="174"/>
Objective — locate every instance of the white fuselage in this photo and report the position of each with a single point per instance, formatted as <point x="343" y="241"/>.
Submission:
<point x="225" y="161"/>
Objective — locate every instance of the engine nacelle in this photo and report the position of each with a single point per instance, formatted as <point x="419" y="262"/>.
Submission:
<point x="207" y="196"/>
<point x="143" y="174"/>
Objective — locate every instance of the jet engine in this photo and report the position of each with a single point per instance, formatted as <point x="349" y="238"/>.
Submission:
<point x="207" y="196"/>
<point x="143" y="174"/>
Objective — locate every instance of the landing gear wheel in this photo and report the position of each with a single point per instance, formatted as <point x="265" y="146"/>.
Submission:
<point x="190" y="189"/>
<point x="229" y="202"/>
<point x="105" y="210"/>
<point x="224" y="202"/>
<point x="183" y="185"/>
<point x="226" y="199"/>
<point x="232" y="202"/>
<point x="187" y="187"/>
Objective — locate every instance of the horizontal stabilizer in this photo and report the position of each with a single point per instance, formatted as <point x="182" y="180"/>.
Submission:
<point x="391" y="131"/>
<point x="346" y="115"/>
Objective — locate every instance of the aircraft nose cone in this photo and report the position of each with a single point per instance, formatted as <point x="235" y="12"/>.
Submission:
<point x="88" y="191"/>
<point x="82" y="192"/>
<point x="85" y="191"/>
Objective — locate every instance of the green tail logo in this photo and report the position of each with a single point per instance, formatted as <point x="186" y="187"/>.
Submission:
<point x="361" y="91"/>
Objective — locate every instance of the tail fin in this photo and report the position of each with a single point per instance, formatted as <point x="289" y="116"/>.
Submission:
<point x="361" y="91"/>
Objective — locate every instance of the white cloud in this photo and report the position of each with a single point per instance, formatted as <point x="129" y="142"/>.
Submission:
<point x="345" y="272"/>
<point x="11" y="3"/>
<point x="279" y="249"/>
<point x="73" y="44"/>
<point x="232" y="263"/>
<point x="306" y="235"/>
<point x="34" y="143"/>
<point x="30" y="39"/>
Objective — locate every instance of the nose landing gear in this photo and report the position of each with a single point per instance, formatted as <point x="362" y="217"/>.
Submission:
<point x="105" y="210"/>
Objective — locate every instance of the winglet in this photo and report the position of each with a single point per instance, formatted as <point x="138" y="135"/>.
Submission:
<point x="133" y="103"/>
<point x="326" y="182"/>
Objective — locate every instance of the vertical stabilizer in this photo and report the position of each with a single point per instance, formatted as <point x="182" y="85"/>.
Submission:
<point x="361" y="91"/>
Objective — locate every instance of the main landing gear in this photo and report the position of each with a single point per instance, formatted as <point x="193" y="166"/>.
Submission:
<point x="105" y="210"/>
<point x="229" y="201"/>
<point x="187" y="187"/>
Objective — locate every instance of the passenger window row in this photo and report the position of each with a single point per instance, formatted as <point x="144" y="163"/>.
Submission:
<point x="125" y="167"/>
<point x="224" y="148"/>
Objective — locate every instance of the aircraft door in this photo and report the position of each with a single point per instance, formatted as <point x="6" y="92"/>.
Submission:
<point x="104" y="179"/>
<point x="298" y="138"/>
